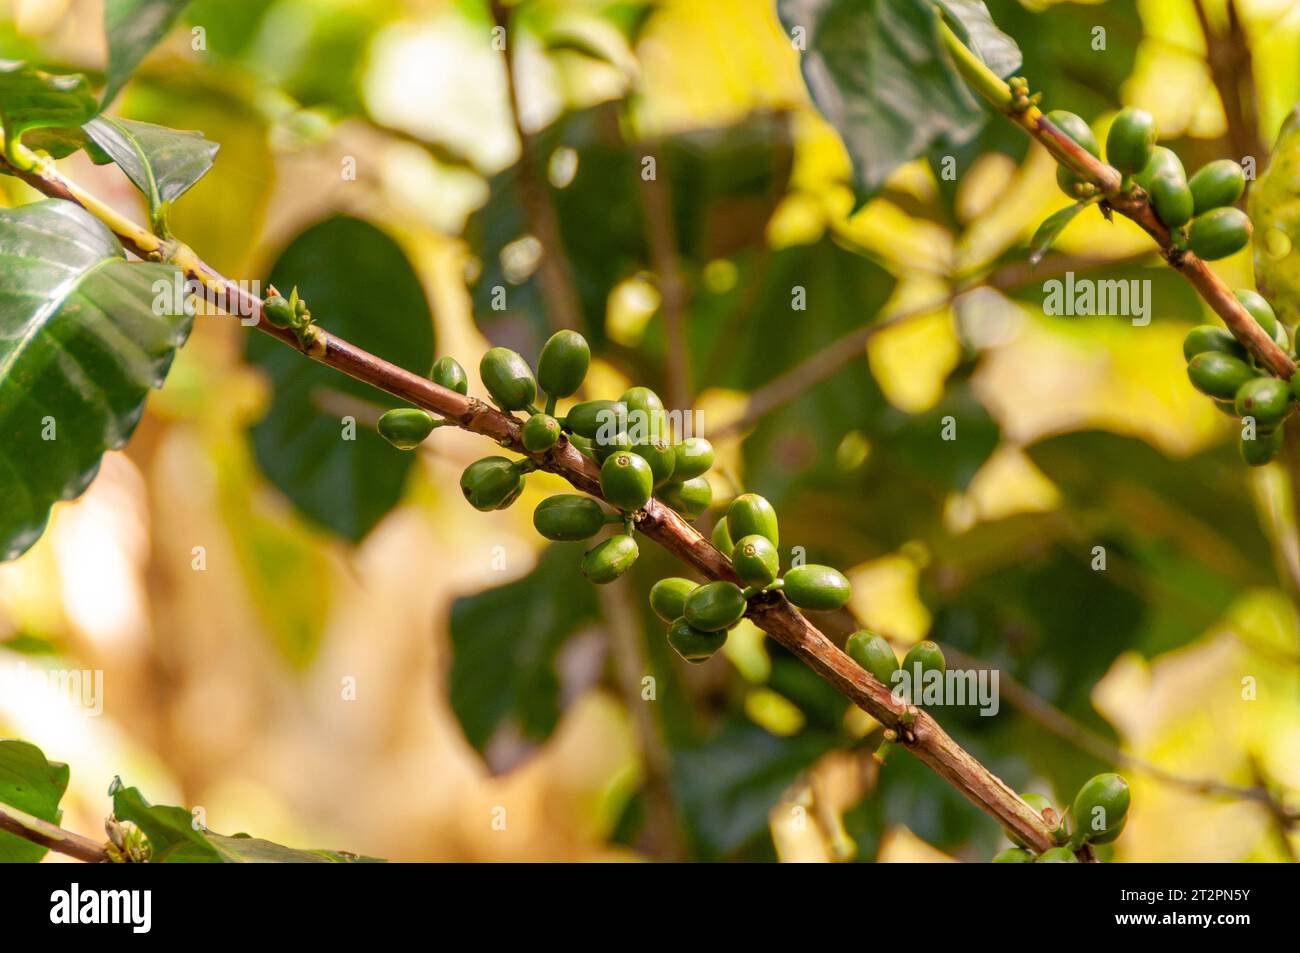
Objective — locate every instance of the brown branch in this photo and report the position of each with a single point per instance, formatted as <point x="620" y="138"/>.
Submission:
<point x="21" y="824"/>
<point x="554" y="273"/>
<point x="1132" y="204"/>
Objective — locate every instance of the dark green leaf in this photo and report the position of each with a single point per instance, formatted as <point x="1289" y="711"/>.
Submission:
<point x="83" y="336"/>
<point x="504" y="646"/>
<point x="175" y="837"/>
<point x="1046" y="233"/>
<point x="724" y="184"/>
<point x="360" y="285"/>
<point x="727" y="786"/>
<point x="35" y="100"/>
<point x="34" y="786"/>
<point x="973" y="24"/>
<point x="134" y="27"/>
<point x="877" y="72"/>
<point x="162" y="163"/>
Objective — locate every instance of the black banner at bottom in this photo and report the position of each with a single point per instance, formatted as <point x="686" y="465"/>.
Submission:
<point x="334" y="903"/>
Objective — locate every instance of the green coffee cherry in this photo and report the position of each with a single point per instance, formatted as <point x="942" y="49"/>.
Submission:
<point x="1172" y="199"/>
<point x="1040" y="804"/>
<point x="1130" y="140"/>
<point x="1209" y="337"/>
<point x="589" y="417"/>
<point x="1218" y="375"/>
<point x="492" y="483"/>
<point x="661" y="457"/>
<point x="583" y="446"/>
<point x="448" y="373"/>
<point x="1295" y="392"/>
<point x="1162" y="160"/>
<point x="694" y="457"/>
<point x="405" y="427"/>
<point x="756" y="561"/>
<point x="668" y="597"/>
<point x="610" y="559"/>
<point x="645" y="414"/>
<point x="540" y="433"/>
<point x="508" y="378"/>
<point x="819" y="588"/>
<point x="1267" y="399"/>
<point x="1111" y="835"/>
<point x="1282" y="336"/>
<point x="692" y="644"/>
<point x="1100" y="806"/>
<point x="299" y="305"/>
<point x="689" y="497"/>
<point x="1262" y="449"/>
<point x="1217" y="184"/>
<point x="277" y="311"/>
<point x="1076" y="128"/>
<point x="714" y="606"/>
<point x="873" y="653"/>
<point x="568" y="516"/>
<point x="721" y="535"/>
<point x="562" y="365"/>
<point x="1259" y="309"/>
<point x="626" y="481"/>
<point x="606" y="446"/>
<point x="749" y="513"/>
<point x="1219" y="233"/>
<point x="1057" y="855"/>
<point x="1071" y="183"/>
<point x="926" y="654"/>
<point x="1013" y="855"/>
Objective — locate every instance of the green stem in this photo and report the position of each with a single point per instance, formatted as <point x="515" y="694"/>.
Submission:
<point x="550" y="405"/>
<point x="985" y="82"/>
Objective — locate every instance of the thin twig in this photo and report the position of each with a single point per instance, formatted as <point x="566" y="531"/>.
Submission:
<point x="21" y="824"/>
<point x="832" y="358"/>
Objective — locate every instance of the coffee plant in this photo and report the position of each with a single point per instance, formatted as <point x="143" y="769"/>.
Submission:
<point x="95" y="307"/>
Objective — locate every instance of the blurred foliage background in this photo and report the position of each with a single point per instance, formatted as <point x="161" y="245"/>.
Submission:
<point x="491" y="681"/>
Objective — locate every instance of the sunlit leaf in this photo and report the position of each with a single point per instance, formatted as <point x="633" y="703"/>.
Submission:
<point x="82" y="340"/>
<point x="34" y="786"/>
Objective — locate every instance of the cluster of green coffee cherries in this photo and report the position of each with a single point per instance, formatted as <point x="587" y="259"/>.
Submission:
<point x="631" y="439"/>
<point x="1097" y="815"/>
<point x="1198" y="212"/>
<point x="1220" y="367"/>
<point x="699" y="616"/>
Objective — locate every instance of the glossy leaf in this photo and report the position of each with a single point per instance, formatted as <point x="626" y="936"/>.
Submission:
<point x="973" y="24"/>
<point x="359" y="284"/>
<point x="34" y="786"/>
<point x="504" y="647"/>
<point x="877" y="72"/>
<point x="81" y="344"/>
<point x="162" y="163"/>
<point x="1050" y="229"/>
<point x="134" y="27"/>
<point x="31" y="99"/>
<point x="723" y="186"/>
<point x="175" y="837"/>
